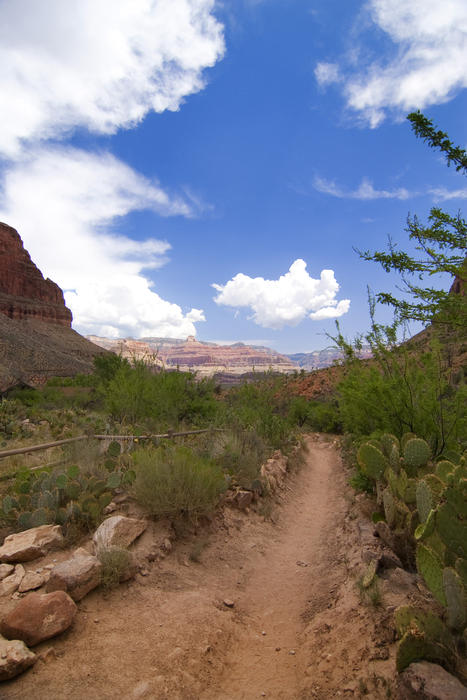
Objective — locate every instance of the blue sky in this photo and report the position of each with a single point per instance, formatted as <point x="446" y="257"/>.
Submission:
<point x="152" y="149"/>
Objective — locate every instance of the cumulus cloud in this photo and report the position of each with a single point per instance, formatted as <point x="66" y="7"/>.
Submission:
<point x="286" y="301"/>
<point x="427" y="64"/>
<point x="364" y="191"/>
<point x="66" y="203"/>
<point x="98" y="64"/>
<point x="327" y="73"/>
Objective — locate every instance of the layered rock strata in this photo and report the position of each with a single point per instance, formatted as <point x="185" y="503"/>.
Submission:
<point x="24" y="293"/>
<point x="206" y="359"/>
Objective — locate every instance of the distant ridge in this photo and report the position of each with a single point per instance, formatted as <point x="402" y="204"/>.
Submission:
<point x="207" y="359"/>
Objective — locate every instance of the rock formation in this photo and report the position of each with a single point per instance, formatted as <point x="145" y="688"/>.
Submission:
<point x="24" y="293"/>
<point x="36" y="338"/>
<point x="206" y="359"/>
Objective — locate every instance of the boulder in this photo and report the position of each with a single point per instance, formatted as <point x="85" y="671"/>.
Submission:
<point x="6" y="570"/>
<point x="31" y="581"/>
<point x="31" y="544"/>
<point x="39" y="616"/>
<point x="15" y="658"/>
<point x="426" y="681"/>
<point x="118" y="531"/>
<point x="12" y="582"/>
<point x="77" y="575"/>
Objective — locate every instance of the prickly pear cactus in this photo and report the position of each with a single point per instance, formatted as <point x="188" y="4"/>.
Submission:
<point x="431" y="568"/>
<point x="416" y="454"/>
<point x="389" y="507"/>
<point x="444" y="469"/>
<point x="427" y="528"/>
<point x="424" y="636"/>
<point x="451" y="529"/>
<point x="424" y="500"/>
<point x="371" y="461"/>
<point x="388" y="442"/>
<point x="456" y="599"/>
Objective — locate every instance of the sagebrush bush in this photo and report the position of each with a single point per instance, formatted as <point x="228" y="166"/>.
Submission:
<point x="174" y="481"/>
<point x="115" y="563"/>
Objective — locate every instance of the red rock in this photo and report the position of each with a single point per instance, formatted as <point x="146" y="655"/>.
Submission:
<point x="24" y="293"/>
<point x="39" y="616"/>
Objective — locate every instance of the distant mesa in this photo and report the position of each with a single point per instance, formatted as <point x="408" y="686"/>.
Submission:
<point x="36" y="338"/>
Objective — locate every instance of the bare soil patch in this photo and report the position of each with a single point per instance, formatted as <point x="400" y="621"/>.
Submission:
<point x="297" y="628"/>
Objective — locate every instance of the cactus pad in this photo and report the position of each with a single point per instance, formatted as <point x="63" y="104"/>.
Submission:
<point x="452" y="530"/>
<point x="389" y="507"/>
<point x="424" y="500"/>
<point x="371" y="461"/>
<point x="416" y="453"/>
<point x="456" y="599"/>
<point x="431" y="568"/>
<point x="444" y="469"/>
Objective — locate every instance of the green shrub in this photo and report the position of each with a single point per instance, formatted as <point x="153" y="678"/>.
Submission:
<point x="115" y="563"/>
<point x="174" y="481"/>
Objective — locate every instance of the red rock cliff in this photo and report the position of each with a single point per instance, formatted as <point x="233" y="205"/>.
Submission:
<point x="24" y="293"/>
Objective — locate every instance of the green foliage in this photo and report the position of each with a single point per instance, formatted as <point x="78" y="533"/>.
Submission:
<point x="174" y="481"/>
<point x="401" y="392"/>
<point x="137" y="393"/>
<point x="441" y="246"/>
<point x="455" y="593"/>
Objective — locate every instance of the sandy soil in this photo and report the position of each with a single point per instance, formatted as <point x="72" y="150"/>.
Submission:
<point x="297" y="628"/>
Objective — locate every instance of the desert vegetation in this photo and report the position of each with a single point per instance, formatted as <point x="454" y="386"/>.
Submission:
<point x="402" y="414"/>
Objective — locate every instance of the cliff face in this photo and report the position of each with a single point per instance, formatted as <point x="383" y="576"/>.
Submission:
<point x="24" y="293"/>
<point x="206" y="359"/>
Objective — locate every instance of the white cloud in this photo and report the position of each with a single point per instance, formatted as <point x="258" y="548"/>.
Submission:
<point x="441" y="193"/>
<point x="427" y="64"/>
<point x="286" y="301"/>
<point x="365" y="190"/>
<point x="64" y="202"/>
<point x="327" y="73"/>
<point x="98" y="64"/>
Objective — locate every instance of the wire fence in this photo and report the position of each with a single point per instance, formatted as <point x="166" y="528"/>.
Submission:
<point x="58" y="443"/>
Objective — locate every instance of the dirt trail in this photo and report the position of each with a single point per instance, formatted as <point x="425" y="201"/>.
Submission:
<point x="168" y="635"/>
<point x="285" y="581"/>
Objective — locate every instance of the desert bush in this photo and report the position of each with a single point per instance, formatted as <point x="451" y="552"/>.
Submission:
<point x="137" y="393"/>
<point x="241" y="454"/>
<point x="174" y="481"/>
<point x="401" y="390"/>
<point x="115" y="563"/>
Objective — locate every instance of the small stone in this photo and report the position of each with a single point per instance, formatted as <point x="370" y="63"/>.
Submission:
<point x="10" y="584"/>
<point x="167" y="545"/>
<point x="144" y="572"/>
<point x="263" y="633"/>
<point x="96" y="620"/>
<point x="292" y="652"/>
<point x="15" y="658"/>
<point x="278" y="648"/>
<point x="47" y="655"/>
<point x="229" y="603"/>
<point x="6" y="570"/>
<point x="30" y="582"/>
